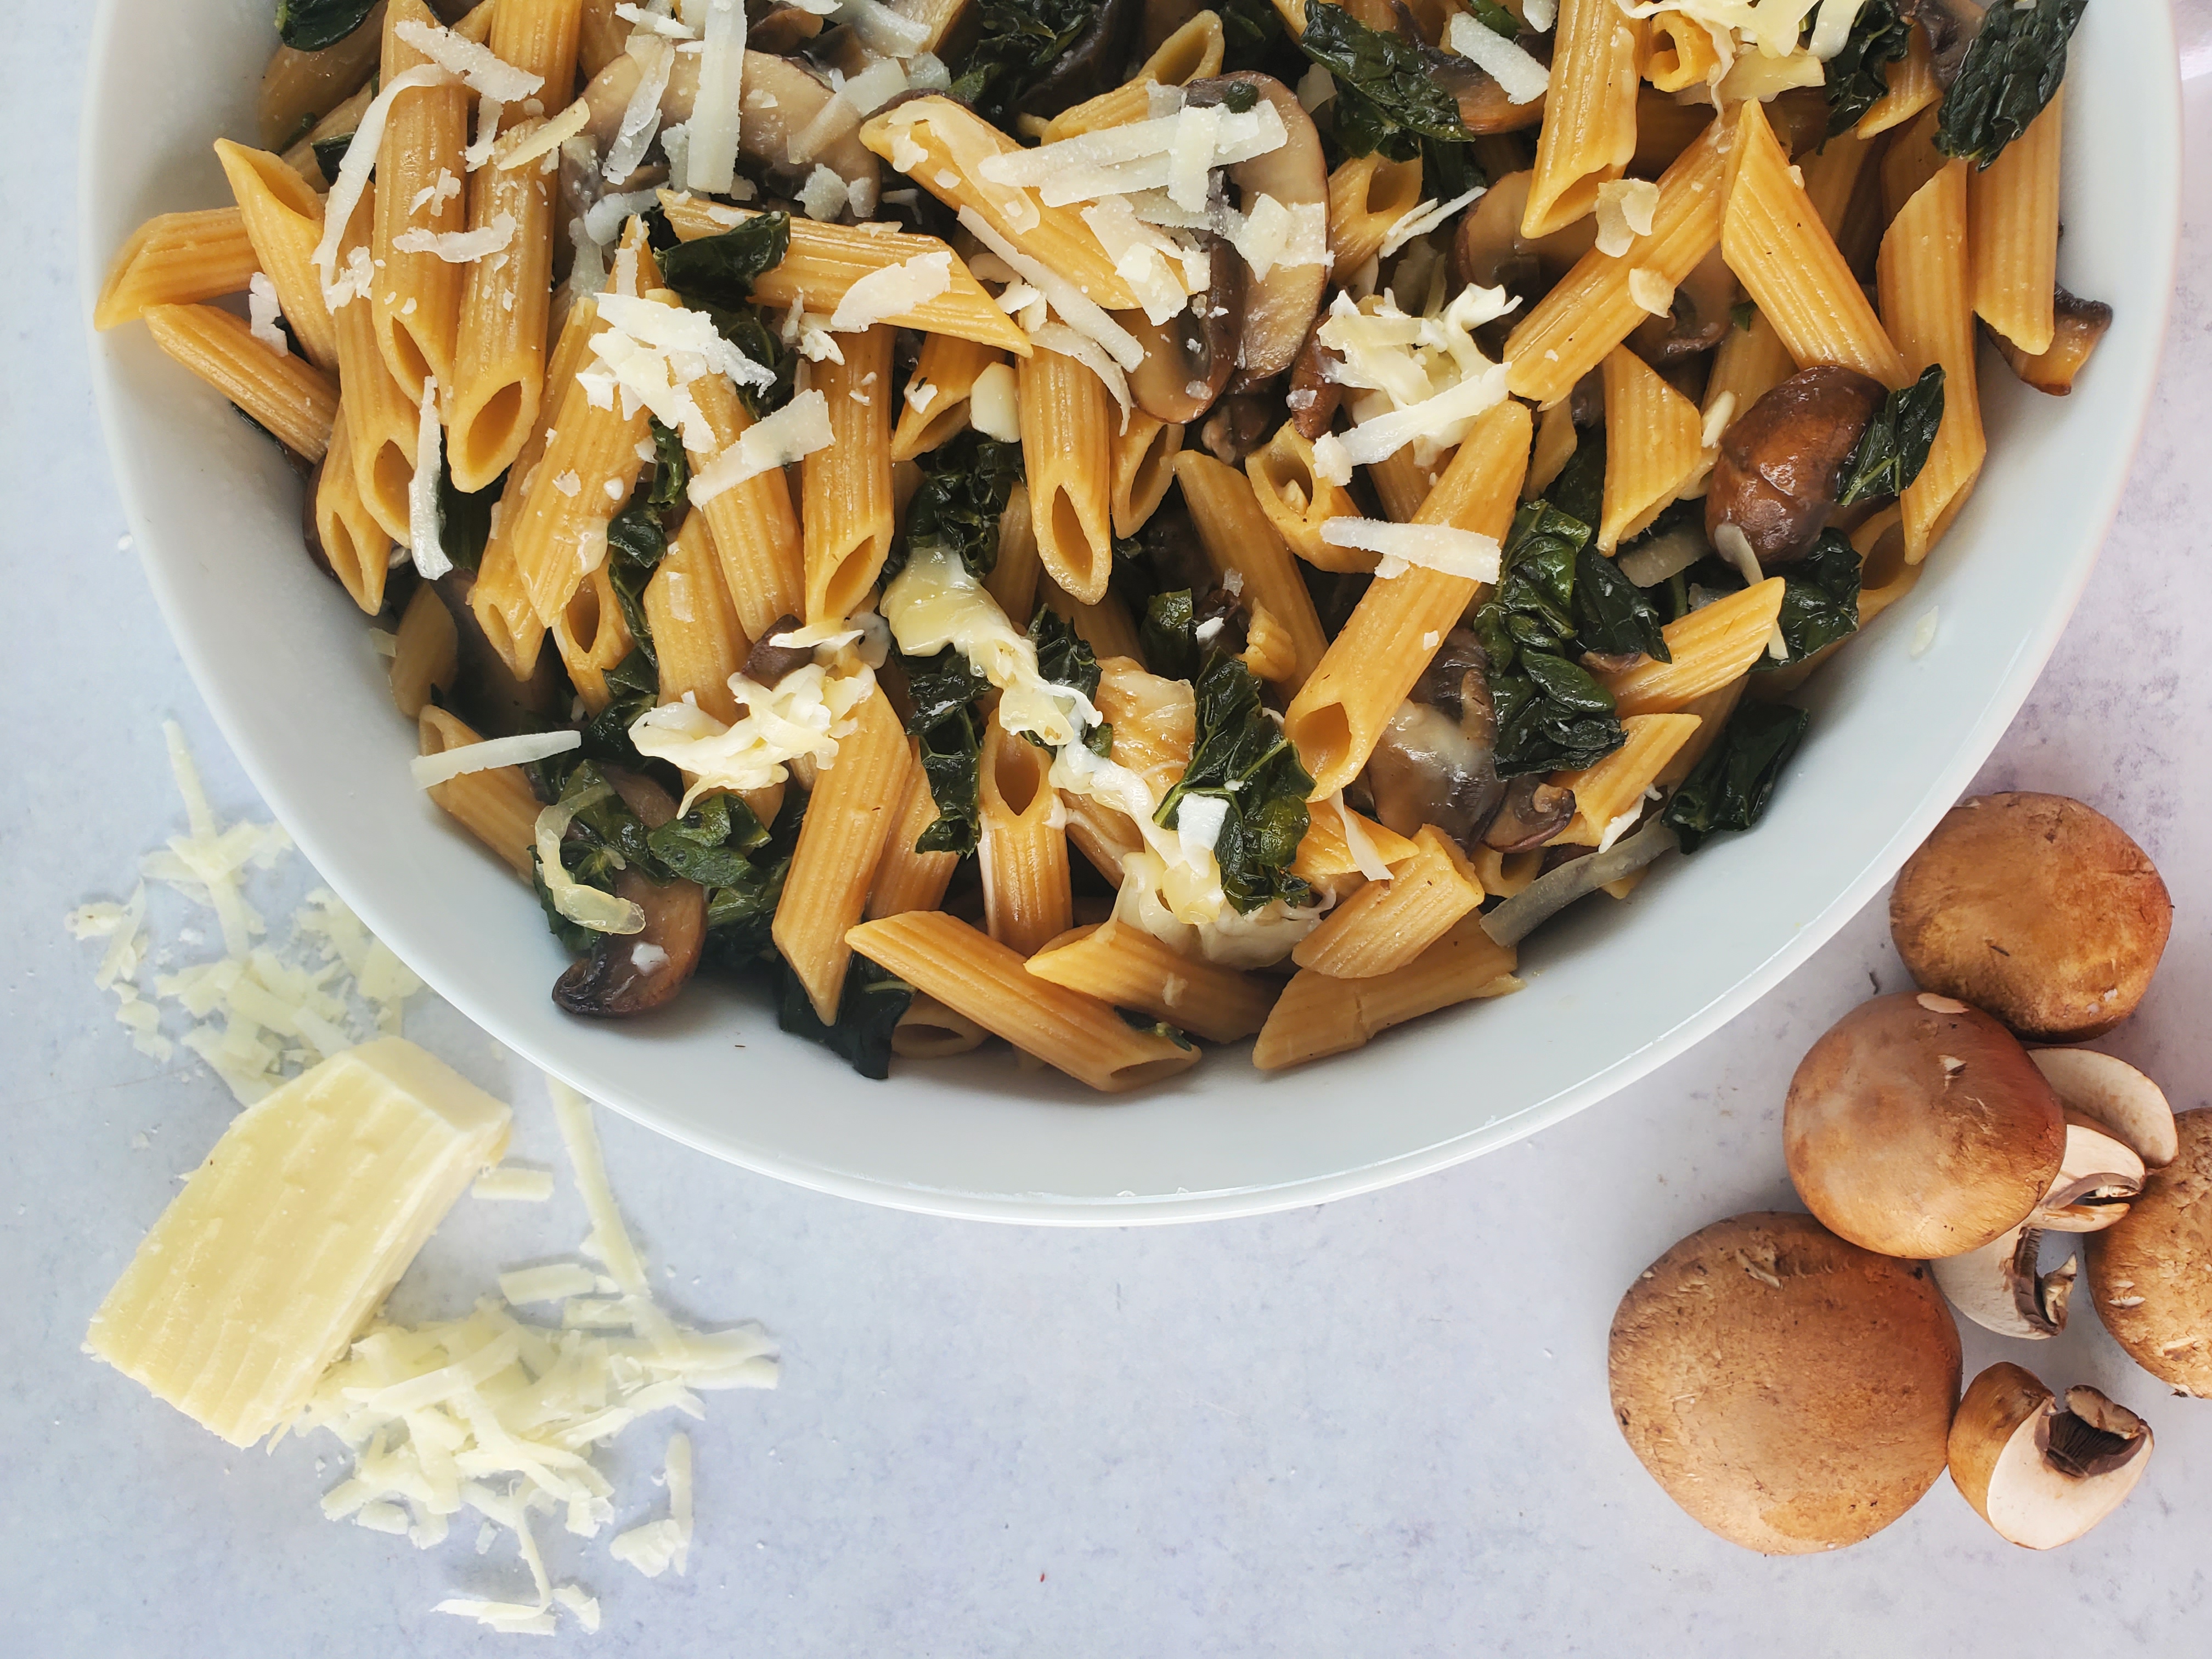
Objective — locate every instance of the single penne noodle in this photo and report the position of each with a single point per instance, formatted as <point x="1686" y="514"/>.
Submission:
<point x="298" y="85"/>
<point x="495" y="805"/>
<point x="1613" y="788"/>
<point x="2012" y="226"/>
<point x="1326" y="856"/>
<point x="339" y="123"/>
<point x="1106" y="627"/>
<point x="589" y="467"/>
<point x="1749" y="363"/>
<point x="1651" y="447"/>
<point x="1297" y="504"/>
<point x="846" y="521"/>
<point x="756" y="526"/>
<point x="1788" y="263"/>
<point x="1022" y="847"/>
<point x="1386" y="644"/>
<point x="1128" y="968"/>
<point x="1683" y="53"/>
<point x="355" y="544"/>
<point x="840" y="841"/>
<point x="1504" y="874"/>
<point x="1710" y="647"/>
<point x="1832" y="178"/>
<point x="288" y="396"/>
<point x="1556" y="443"/>
<point x="426" y="651"/>
<point x="697" y="635"/>
<point x="539" y="38"/>
<point x="591" y="637"/>
<point x="907" y="879"/>
<point x="1067" y="456"/>
<point x="1367" y="195"/>
<point x="1238" y="537"/>
<point x="417" y="296"/>
<point x="1013" y="578"/>
<point x="1402" y="483"/>
<point x="1887" y="575"/>
<point x="1926" y="275"/>
<point x="500" y="362"/>
<point x="284" y="220"/>
<point x="934" y="410"/>
<point x="1155" y="720"/>
<point x="380" y="421"/>
<point x="1316" y="1016"/>
<point x="1910" y="161"/>
<point x="1712" y="711"/>
<point x="824" y="261"/>
<point x="976" y="976"/>
<point x="177" y="259"/>
<point x="1386" y="924"/>
<point x="1592" y="309"/>
<point x="1912" y="87"/>
<point x="930" y="1031"/>
<point x="1144" y="453"/>
<point x="1192" y="52"/>
<point x="1589" y="134"/>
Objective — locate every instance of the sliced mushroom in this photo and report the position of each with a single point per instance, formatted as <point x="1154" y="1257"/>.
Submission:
<point x="2111" y="1092"/>
<point x="487" y="695"/>
<point x="2041" y="1471"/>
<point x="1279" y="307"/>
<point x="1189" y="358"/>
<point x="1781" y="461"/>
<point x="1434" y="763"/>
<point x="1489" y="250"/>
<point x="2077" y="325"/>
<point x="1700" y="319"/>
<point x="1484" y="108"/>
<point x="1313" y="396"/>
<point x="770" y="662"/>
<point x="1238" y="425"/>
<point x="783" y="29"/>
<point x="781" y="100"/>
<point x="1092" y="62"/>
<point x="1998" y="1288"/>
<point x="2099" y="1174"/>
<point x="1173" y="552"/>
<point x="626" y="974"/>
<point x="1952" y="25"/>
<point x="1533" y="813"/>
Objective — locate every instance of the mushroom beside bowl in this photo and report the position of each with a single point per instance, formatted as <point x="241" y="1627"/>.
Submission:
<point x="1612" y="989"/>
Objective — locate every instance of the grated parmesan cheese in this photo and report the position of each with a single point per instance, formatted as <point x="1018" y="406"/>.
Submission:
<point x="995" y="403"/>
<point x="803" y="716"/>
<point x="481" y="757"/>
<point x="823" y="195"/>
<point x="1625" y="207"/>
<point x="1451" y="552"/>
<point x="477" y="66"/>
<point x="352" y="178"/>
<point x="513" y="1183"/>
<point x="883" y="294"/>
<point x="1651" y="291"/>
<point x="1520" y="76"/>
<point x="263" y="312"/>
<point x="1424" y="217"/>
<point x="792" y="432"/>
<point x="425" y="522"/>
<point x="461" y="247"/>
<point x="1076" y="310"/>
<point x="641" y="117"/>
<point x="567" y="124"/>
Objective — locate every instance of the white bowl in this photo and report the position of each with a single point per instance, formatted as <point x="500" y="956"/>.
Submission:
<point x="1612" y="990"/>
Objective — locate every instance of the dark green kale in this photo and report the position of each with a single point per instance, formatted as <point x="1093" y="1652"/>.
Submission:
<point x="946" y="725"/>
<point x="958" y="506"/>
<point x="1729" y="787"/>
<point x="1820" y="599"/>
<point x="712" y="843"/>
<point x="2011" y="71"/>
<point x="1858" y="75"/>
<point x="317" y="25"/>
<point x="637" y="539"/>
<point x="632" y="687"/>
<point x="715" y="275"/>
<point x="1240" y="97"/>
<point x="1169" y="635"/>
<point x="1241" y="757"/>
<point x="603" y="838"/>
<point x="1612" y="615"/>
<point x="331" y="153"/>
<point x="1137" y="1022"/>
<point x="465" y="520"/>
<point x="1387" y="97"/>
<point x="741" y="910"/>
<point x="1894" y="448"/>
<point x="1065" y="658"/>
<point x="1017" y="42"/>
<point x="873" y="1001"/>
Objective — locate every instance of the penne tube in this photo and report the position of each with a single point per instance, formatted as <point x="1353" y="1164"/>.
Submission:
<point x="177" y="259"/>
<point x="1106" y="627"/>
<point x="824" y="261"/>
<point x="1588" y="133"/>
<point x="1325" y="855"/>
<point x="1297" y="504"/>
<point x="1144" y="453"/>
<point x="593" y="637"/>
<point x="934" y="408"/>
<point x="417" y="297"/>
<point x="1664" y="129"/>
<point x="976" y="976"/>
<point x="1367" y="195"/>
<point x="1402" y="483"/>
<point x="1316" y="1016"/>
<point x="287" y="396"/>
<point x="1910" y="161"/>
<point x="1832" y="178"/>
<point x="756" y="528"/>
<point x="340" y="123"/>
<point x="1386" y="644"/>
<point x="1912" y="88"/>
<point x="1788" y="263"/>
<point x="499" y="372"/>
<point x="846" y="521"/>
<point x="1270" y="650"/>
<point x="1154" y="721"/>
<point x="2012" y="228"/>
<point x="381" y="423"/>
<point x="355" y="545"/>
<point x="540" y="37"/>
<point x="1556" y="443"/>
<point x="1239" y="538"/>
<point x="1712" y="711"/>
<point x="1126" y="966"/>
<point x="1710" y="647"/>
<point x="1387" y="924"/>
<point x="495" y="805"/>
<point x="1887" y="575"/>
<point x="1651" y="447"/>
<point x="696" y="637"/>
<point x="1683" y="53"/>
<point x="1749" y="363"/>
<point x="1504" y="874"/>
<point x="1614" y="789"/>
<point x="284" y="220"/>
<point x="840" y="841"/>
<point x="298" y="85"/>
<point x="930" y="1031"/>
<point x="1021" y="845"/>
<point x="1192" y="52"/>
<point x="908" y="879"/>
<point x="1593" y="308"/>
<point x="426" y="652"/>
<point x="1013" y="578"/>
<point x="1926" y="273"/>
<point x="1067" y="456"/>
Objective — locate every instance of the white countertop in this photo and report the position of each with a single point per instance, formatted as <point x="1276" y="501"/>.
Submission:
<point x="1375" y="1427"/>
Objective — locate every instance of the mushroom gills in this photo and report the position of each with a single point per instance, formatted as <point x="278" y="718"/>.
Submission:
<point x="2043" y="1471"/>
<point x="1998" y="1288"/>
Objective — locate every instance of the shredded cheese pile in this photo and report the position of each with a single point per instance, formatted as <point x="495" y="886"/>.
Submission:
<point x="1418" y="380"/>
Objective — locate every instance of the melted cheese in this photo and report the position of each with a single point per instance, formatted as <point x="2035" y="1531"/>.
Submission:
<point x="803" y="716"/>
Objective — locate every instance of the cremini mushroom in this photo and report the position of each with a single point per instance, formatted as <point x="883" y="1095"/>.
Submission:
<point x="1952" y="25"/>
<point x="2035" y="908"/>
<point x="1189" y="358"/>
<point x="1700" y="318"/>
<point x="1781" y="461"/>
<point x="1918" y="1126"/>
<point x="1489" y="251"/>
<point x="2076" y="326"/>
<point x="1790" y="1390"/>
<point x="1238" y="425"/>
<point x="1314" y="394"/>
<point x="1433" y="762"/>
<point x="2107" y="1091"/>
<point x="2042" y="1471"/>
<point x="1532" y="812"/>
<point x="1999" y="1288"/>
<point x="2097" y="1176"/>
<point x="2150" y="1273"/>
<point x="1092" y="62"/>
<point x="627" y="974"/>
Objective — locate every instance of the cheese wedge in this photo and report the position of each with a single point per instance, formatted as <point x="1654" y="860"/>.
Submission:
<point x="285" y="1241"/>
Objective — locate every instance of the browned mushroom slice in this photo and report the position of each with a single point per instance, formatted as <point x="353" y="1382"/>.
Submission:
<point x="1781" y="461"/>
<point x="1313" y="395"/>
<point x="1189" y="358"/>
<point x="1699" y="319"/>
<point x="1238" y="425"/>
<point x="1533" y="813"/>
<point x="1091" y="64"/>
<point x="783" y="29"/>
<point x="1434" y="763"/>
<point x="626" y="974"/>
<point x="1490" y="252"/>
<point x="1484" y="108"/>
<point x="770" y="662"/>
<point x="1279" y="307"/>
<point x="1952" y="25"/>
<point x="2078" y="326"/>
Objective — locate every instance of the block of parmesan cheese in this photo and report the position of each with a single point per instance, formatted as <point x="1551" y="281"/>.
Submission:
<point x="291" y="1235"/>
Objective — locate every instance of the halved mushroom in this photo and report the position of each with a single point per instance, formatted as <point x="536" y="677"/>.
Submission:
<point x="2150" y="1274"/>
<point x="626" y="974"/>
<point x="1189" y="358"/>
<point x="770" y="662"/>
<point x="2096" y="1178"/>
<point x="1699" y="320"/>
<point x="1092" y="62"/>
<point x="782" y="29"/>
<point x="2109" y="1092"/>
<point x="1279" y="307"/>
<point x="2077" y="325"/>
<point x="1998" y="1287"/>
<point x="1484" y="108"/>
<point x="2042" y="1472"/>
<point x="1532" y="812"/>
<point x="1781" y="461"/>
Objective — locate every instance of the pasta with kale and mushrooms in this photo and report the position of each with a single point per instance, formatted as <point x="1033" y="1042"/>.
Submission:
<point x="1084" y="521"/>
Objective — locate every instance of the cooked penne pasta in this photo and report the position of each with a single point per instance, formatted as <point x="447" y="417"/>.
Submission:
<point x="1067" y="452"/>
<point x="1367" y="195"/>
<point x="756" y="528"/>
<point x="177" y="259"/>
<point x="1326" y="856"/>
<point x="539" y="38"/>
<point x="934" y="408"/>
<point x="1651" y="447"/>
<point x="1750" y="362"/>
<point x="495" y="805"/>
<point x="846" y="518"/>
<point x="288" y="396"/>
<point x="383" y="427"/>
<point x="1926" y="273"/>
<point x="1021" y="845"/>
<point x="930" y="1031"/>
<point x="1192" y="52"/>
<point x="298" y="85"/>
<point x="1127" y="967"/>
<point x="284" y="220"/>
<point x="354" y="545"/>
<point x="696" y="637"/>
<point x="1317" y="1015"/>
<point x="906" y="878"/>
<point x="417" y="296"/>
<point x="1144" y="453"/>
<point x="1386" y="924"/>
<point x="1297" y="504"/>
<point x="1912" y="87"/>
<point x="1239" y="540"/>
<point x="426" y="652"/>
<point x="1014" y="577"/>
<point x="2012" y="226"/>
<point x="1611" y="793"/>
<point x="1402" y="483"/>
<point x="1556" y="443"/>
<point x="1710" y="647"/>
<point x="593" y="637"/>
<point x="1910" y="161"/>
<point x="601" y="36"/>
<point x="1106" y="627"/>
<point x="499" y="375"/>
<point x="1588" y="133"/>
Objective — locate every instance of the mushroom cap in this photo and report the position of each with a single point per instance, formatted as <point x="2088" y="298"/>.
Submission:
<point x="1781" y="461"/>
<point x="2150" y="1273"/>
<point x="2036" y="908"/>
<point x="1918" y="1127"/>
<point x="1790" y="1390"/>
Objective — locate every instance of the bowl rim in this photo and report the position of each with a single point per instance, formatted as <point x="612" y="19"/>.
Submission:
<point x="2158" y="111"/>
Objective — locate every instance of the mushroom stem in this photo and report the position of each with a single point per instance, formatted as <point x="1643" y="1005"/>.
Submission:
<point x="2041" y="1471"/>
<point x="1998" y="1288"/>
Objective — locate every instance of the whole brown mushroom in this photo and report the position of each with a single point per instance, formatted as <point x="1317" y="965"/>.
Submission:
<point x="2150" y="1273"/>
<point x="1781" y="461"/>
<point x="1918" y="1127"/>
<point x="1790" y="1390"/>
<point x="2037" y="908"/>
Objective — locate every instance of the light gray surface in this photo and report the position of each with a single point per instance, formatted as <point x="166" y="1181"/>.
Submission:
<point x="1379" y="1427"/>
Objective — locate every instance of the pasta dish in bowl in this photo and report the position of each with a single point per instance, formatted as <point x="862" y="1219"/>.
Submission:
<point x="1116" y="530"/>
